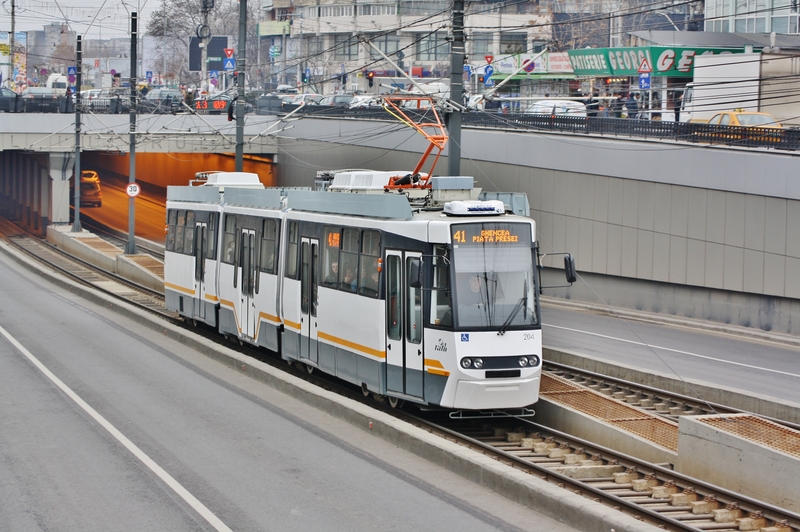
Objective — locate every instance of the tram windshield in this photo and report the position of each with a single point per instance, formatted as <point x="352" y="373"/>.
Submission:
<point x="494" y="284"/>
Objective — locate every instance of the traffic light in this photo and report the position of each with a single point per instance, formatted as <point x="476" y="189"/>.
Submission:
<point x="371" y="78"/>
<point x="480" y="79"/>
<point x="305" y="77"/>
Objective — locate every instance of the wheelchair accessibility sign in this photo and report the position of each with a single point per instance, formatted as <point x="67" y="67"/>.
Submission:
<point x="465" y="337"/>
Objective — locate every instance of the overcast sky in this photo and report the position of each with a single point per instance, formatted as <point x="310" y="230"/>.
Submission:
<point x="112" y="16"/>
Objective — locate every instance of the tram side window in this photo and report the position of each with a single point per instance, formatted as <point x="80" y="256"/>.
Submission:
<point x="211" y="245"/>
<point x="291" y="250"/>
<point x="180" y="227"/>
<point x="348" y="267"/>
<point x="413" y="308"/>
<point x="172" y="221"/>
<point x="330" y="257"/>
<point x="188" y="234"/>
<point x="229" y="240"/>
<point x="370" y="254"/>
<point x="441" y="296"/>
<point x="269" y="245"/>
<point x="394" y="289"/>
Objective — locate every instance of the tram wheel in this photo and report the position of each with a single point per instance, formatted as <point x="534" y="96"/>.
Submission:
<point x="365" y="390"/>
<point x="241" y="342"/>
<point x="194" y="323"/>
<point x="289" y="361"/>
<point x="379" y="398"/>
<point x="309" y="369"/>
<point x="395" y="402"/>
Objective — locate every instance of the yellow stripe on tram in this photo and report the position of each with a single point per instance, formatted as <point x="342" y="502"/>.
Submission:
<point x="352" y="345"/>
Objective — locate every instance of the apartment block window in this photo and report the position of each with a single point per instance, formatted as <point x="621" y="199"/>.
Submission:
<point x="388" y="44"/>
<point x="513" y="43"/>
<point x="480" y="44"/>
<point x="433" y="47"/>
<point x="345" y="47"/>
<point x="377" y="10"/>
<point x="336" y="11"/>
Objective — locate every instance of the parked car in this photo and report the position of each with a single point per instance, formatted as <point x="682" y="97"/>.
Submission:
<point x="39" y="100"/>
<point x="363" y="101"/>
<point x="307" y="98"/>
<point x="91" y="194"/>
<point x="161" y="101"/>
<point x="336" y="100"/>
<point x="557" y="107"/>
<point x="745" y="119"/>
<point x="748" y="125"/>
<point x="8" y="100"/>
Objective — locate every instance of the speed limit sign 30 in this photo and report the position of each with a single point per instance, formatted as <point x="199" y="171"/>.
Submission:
<point x="133" y="190"/>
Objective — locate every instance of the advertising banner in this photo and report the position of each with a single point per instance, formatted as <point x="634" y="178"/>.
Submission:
<point x="13" y="71"/>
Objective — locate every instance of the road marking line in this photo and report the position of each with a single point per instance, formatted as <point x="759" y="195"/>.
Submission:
<point x="212" y="519"/>
<point x="688" y="353"/>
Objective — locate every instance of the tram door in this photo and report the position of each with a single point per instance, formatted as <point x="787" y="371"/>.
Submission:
<point x="404" y="354"/>
<point x="309" y="279"/>
<point x="248" y="270"/>
<point x="200" y="243"/>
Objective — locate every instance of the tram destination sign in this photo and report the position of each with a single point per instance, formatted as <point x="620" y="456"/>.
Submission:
<point x="491" y="233"/>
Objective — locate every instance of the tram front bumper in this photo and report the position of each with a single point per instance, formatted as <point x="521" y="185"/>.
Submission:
<point x="482" y="395"/>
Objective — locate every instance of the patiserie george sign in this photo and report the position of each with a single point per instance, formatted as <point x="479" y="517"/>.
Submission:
<point x="663" y="61"/>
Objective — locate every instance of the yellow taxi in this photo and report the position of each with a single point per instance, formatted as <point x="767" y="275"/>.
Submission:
<point x="745" y="119"/>
<point x="761" y="127"/>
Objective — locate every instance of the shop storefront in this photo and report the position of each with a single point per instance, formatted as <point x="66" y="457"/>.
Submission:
<point x="657" y="74"/>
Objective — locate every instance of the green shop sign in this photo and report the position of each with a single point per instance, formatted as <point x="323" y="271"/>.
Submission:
<point x="661" y="60"/>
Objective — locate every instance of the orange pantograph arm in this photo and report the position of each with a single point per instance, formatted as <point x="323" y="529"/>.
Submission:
<point x="434" y="132"/>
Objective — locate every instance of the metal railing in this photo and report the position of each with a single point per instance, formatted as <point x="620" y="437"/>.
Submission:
<point x="750" y="137"/>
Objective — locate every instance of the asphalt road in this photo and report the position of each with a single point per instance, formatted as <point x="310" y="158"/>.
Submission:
<point x="106" y="426"/>
<point x="719" y="360"/>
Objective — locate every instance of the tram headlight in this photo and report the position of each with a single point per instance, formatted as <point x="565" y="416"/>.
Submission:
<point x="523" y="361"/>
<point x="533" y="361"/>
<point x="478" y="363"/>
<point x="466" y="363"/>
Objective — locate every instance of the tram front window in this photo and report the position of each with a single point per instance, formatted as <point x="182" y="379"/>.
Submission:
<point x="494" y="285"/>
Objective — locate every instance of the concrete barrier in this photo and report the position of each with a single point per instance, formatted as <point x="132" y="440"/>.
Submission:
<point x="720" y="455"/>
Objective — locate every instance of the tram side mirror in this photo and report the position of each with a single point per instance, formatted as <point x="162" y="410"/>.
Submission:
<point x="569" y="268"/>
<point x="415" y="274"/>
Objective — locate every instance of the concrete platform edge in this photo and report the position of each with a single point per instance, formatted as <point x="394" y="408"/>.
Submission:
<point x="560" y="504"/>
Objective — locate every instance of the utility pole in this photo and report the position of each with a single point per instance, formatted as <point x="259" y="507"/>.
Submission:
<point x="241" y="67"/>
<point x="76" y="224"/>
<point x="130" y="247"/>
<point x="456" y="89"/>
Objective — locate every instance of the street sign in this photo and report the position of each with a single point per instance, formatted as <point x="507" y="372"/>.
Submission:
<point x="645" y="67"/>
<point x="488" y="70"/>
<point x="644" y="81"/>
<point x="72" y="71"/>
<point x="467" y="73"/>
<point x="132" y="190"/>
<point x="210" y="59"/>
<point x="489" y="59"/>
<point x="229" y="63"/>
<point x="528" y="65"/>
<point x="228" y="52"/>
<point x="149" y="75"/>
<point x="213" y="74"/>
<point x="488" y="82"/>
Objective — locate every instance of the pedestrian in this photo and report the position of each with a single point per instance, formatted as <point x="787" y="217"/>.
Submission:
<point x="632" y="105"/>
<point x="592" y="105"/>
<point x="677" y="102"/>
<point x="616" y="106"/>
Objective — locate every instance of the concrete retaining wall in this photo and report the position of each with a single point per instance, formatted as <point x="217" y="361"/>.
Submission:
<point x="738" y="464"/>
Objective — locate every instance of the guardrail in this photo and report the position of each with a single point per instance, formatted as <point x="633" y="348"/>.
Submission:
<point x="752" y="137"/>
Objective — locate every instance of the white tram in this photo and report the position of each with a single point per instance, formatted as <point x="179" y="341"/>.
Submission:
<point x="427" y="295"/>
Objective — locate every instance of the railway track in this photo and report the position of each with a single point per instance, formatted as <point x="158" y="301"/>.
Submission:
<point x="666" y="404"/>
<point x="651" y="493"/>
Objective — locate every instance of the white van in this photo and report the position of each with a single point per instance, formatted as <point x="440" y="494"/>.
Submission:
<point x="59" y="84"/>
<point x="557" y="107"/>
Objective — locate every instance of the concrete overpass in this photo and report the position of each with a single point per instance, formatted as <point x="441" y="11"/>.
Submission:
<point x="679" y="228"/>
<point x="37" y="154"/>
